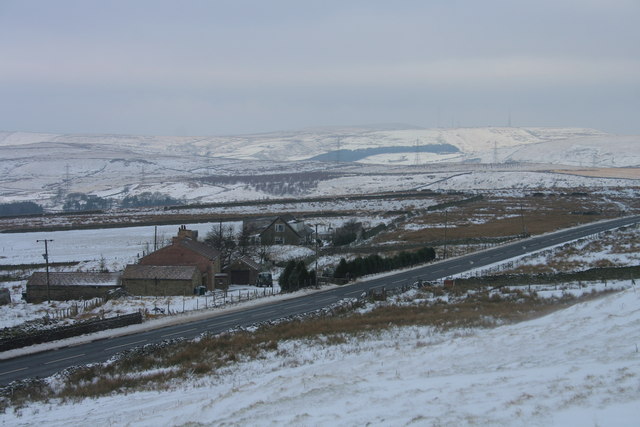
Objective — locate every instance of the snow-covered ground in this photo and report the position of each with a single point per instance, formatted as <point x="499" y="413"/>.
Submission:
<point x="118" y="246"/>
<point x="577" y="366"/>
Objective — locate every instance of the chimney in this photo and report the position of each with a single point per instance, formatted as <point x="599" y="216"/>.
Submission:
<point x="183" y="233"/>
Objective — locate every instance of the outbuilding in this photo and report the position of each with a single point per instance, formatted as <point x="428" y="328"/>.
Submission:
<point x="243" y="271"/>
<point x="62" y="286"/>
<point x="160" y="280"/>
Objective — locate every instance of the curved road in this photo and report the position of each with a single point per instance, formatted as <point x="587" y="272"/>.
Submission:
<point x="48" y="362"/>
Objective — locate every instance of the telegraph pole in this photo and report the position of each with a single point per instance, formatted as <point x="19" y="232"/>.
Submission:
<point x="316" y="242"/>
<point x="444" y="253"/>
<point x="524" y="227"/>
<point x="46" y="260"/>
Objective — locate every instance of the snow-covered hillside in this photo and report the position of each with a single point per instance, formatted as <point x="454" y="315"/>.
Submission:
<point x="578" y="366"/>
<point x="301" y="145"/>
<point x="45" y="167"/>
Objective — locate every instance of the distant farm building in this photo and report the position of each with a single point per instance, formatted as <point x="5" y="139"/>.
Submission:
<point x="70" y="286"/>
<point x="160" y="280"/>
<point x="286" y="230"/>
<point x="186" y="250"/>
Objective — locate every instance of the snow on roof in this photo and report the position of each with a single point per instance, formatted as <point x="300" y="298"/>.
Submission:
<point x="249" y="262"/>
<point x="74" y="279"/>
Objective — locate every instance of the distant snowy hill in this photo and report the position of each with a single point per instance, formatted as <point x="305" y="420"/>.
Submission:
<point x="44" y="166"/>
<point x="465" y="143"/>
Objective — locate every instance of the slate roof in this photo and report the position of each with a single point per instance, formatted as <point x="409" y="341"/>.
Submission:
<point x="199" y="248"/>
<point x="39" y="278"/>
<point x="162" y="272"/>
<point x="287" y="223"/>
<point x="248" y="262"/>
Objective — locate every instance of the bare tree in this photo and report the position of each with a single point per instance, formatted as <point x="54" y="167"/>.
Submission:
<point x="223" y="239"/>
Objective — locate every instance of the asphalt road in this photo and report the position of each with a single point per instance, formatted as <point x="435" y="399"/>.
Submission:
<point x="48" y="362"/>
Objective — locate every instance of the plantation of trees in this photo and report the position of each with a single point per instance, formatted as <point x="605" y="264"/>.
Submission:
<point x="20" y="208"/>
<point x="296" y="276"/>
<point x="376" y="264"/>
<point x="149" y="199"/>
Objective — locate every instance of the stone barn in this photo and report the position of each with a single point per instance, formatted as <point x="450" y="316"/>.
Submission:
<point x="160" y="280"/>
<point x="70" y="286"/>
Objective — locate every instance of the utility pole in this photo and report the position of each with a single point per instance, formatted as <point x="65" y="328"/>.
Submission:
<point x="46" y="260"/>
<point x="495" y="153"/>
<point x="444" y="253"/>
<point x="524" y="227"/>
<point x="316" y="256"/>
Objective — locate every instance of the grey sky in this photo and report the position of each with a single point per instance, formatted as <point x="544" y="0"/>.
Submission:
<point x="241" y="66"/>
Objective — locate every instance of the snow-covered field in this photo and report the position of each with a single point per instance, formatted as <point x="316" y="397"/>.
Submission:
<point x="578" y="366"/>
<point x="118" y="246"/>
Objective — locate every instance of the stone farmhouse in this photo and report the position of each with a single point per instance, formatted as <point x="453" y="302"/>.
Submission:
<point x="186" y="250"/>
<point x="286" y="231"/>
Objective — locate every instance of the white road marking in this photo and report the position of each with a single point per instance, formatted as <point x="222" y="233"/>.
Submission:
<point x="64" y="358"/>
<point x="15" y="370"/>
<point x="124" y="345"/>
<point x="179" y="332"/>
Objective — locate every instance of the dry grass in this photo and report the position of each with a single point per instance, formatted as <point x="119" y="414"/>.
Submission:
<point x="496" y="217"/>
<point x="625" y="173"/>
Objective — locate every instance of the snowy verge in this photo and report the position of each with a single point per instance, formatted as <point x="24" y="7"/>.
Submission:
<point x="577" y="366"/>
<point x="157" y="323"/>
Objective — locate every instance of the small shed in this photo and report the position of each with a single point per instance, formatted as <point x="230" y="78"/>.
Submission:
<point x="243" y="271"/>
<point x="160" y="280"/>
<point x="70" y="286"/>
<point x="222" y="281"/>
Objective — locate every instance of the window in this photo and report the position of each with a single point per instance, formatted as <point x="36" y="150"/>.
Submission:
<point x="279" y="228"/>
<point x="278" y="240"/>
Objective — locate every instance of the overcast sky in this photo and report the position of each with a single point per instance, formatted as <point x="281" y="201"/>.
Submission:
<point x="240" y="66"/>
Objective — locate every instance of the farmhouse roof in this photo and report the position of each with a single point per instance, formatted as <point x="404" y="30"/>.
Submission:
<point x="199" y="248"/>
<point x="74" y="279"/>
<point x="161" y="272"/>
<point x="287" y="223"/>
